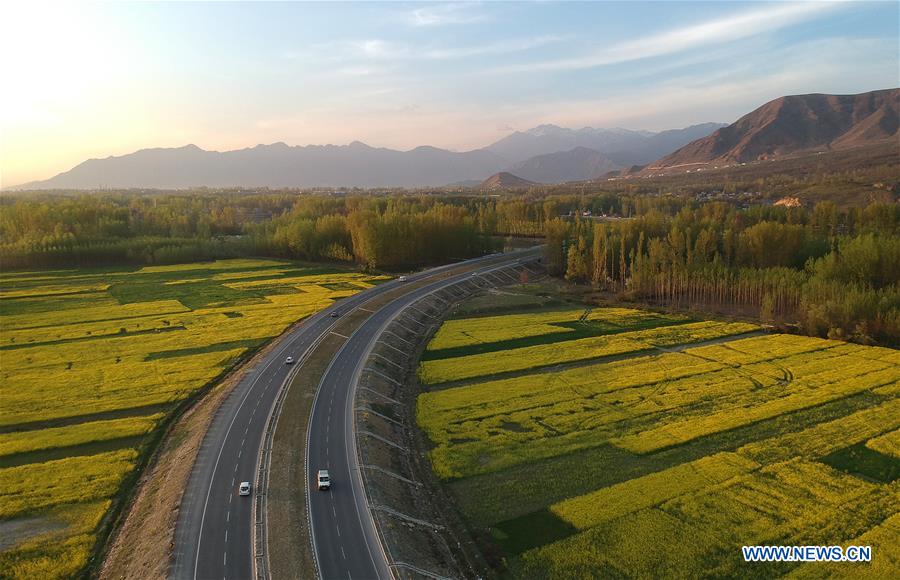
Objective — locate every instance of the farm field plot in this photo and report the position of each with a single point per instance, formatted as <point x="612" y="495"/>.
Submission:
<point x="91" y="363"/>
<point x="664" y="464"/>
<point x="490" y="330"/>
<point x="570" y="351"/>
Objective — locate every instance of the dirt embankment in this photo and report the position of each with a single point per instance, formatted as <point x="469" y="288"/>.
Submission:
<point x="143" y="544"/>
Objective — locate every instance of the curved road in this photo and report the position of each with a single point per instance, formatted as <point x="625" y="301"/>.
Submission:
<point x="214" y="536"/>
<point x="345" y="540"/>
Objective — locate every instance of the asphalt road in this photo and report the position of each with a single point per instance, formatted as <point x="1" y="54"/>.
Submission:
<point x="344" y="536"/>
<point x="213" y="536"/>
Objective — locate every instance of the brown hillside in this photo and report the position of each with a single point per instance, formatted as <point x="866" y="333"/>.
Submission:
<point x="795" y="124"/>
<point x="505" y="180"/>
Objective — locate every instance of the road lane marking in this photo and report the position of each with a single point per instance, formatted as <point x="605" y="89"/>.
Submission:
<point x="323" y="385"/>
<point x="215" y="466"/>
<point x="343" y="553"/>
<point x="339" y="334"/>
<point x="226" y="535"/>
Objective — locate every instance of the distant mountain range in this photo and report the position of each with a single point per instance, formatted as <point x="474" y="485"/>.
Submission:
<point x="621" y="146"/>
<point x="578" y="164"/>
<point x="279" y="165"/>
<point x="795" y="125"/>
<point x="545" y="154"/>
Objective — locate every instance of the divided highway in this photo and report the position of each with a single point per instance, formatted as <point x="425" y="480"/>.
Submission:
<point x="214" y="536"/>
<point x="345" y="540"/>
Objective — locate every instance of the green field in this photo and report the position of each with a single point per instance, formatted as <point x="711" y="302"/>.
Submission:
<point x="92" y="361"/>
<point x="665" y="461"/>
<point x="492" y="345"/>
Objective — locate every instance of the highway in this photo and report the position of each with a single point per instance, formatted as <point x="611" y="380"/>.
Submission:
<point x="214" y="536"/>
<point x="344" y="537"/>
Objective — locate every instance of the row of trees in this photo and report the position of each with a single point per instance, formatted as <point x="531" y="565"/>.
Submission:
<point x="398" y="234"/>
<point x="832" y="269"/>
<point x="835" y="272"/>
<point x="377" y="232"/>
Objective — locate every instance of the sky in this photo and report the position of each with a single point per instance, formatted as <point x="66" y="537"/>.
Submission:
<point x="89" y="80"/>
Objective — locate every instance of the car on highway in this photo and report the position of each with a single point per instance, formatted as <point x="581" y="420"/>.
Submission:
<point x="335" y="314"/>
<point x="323" y="480"/>
<point x="289" y="360"/>
<point x="244" y="488"/>
<point x="402" y="279"/>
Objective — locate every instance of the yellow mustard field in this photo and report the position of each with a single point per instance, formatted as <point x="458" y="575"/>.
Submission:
<point x="517" y="359"/>
<point x="664" y="462"/>
<point x="91" y="361"/>
<point x="486" y="329"/>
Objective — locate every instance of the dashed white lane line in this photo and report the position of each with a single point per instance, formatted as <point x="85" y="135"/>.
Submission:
<point x="227" y="516"/>
<point x="339" y="334"/>
<point x="225" y="559"/>
<point x="343" y="553"/>
<point x="226" y="535"/>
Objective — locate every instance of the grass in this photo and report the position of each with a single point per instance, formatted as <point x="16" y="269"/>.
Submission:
<point x="665" y="463"/>
<point x="93" y="359"/>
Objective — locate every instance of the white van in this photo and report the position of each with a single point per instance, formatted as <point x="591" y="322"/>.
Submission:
<point x="323" y="480"/>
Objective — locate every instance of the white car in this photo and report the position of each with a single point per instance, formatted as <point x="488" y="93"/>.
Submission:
<point x="244" y="488"/>
<point x="402" y="279"/>
<point x="289" y="360"/>
<point x="323" y="480"/>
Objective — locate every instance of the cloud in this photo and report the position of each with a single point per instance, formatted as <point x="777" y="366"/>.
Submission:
<point x="443" y="14"/>
<point x="378" y="49"/>
<point x="727" y="29"/>
<point x="815" y="66"/>
<point x="501" y="47"/>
